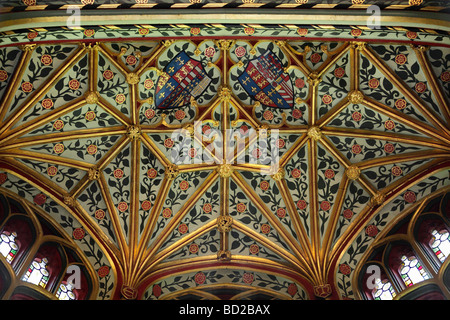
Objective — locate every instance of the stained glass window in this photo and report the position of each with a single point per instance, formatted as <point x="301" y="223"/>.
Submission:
<point x="37" y="273"/>
<point x="440" y="244"/>
<point x="383" y="290"/>
<point x="8" y="245"/>
<point x="65" y="292"/>
<point x="412" y="271"/>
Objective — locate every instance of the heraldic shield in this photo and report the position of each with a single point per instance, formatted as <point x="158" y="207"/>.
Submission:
<point x="182" y="79"/>
<point x="265" y="81"/>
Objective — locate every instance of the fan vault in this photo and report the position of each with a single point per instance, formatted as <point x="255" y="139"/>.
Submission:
<point x="132" y="172"/>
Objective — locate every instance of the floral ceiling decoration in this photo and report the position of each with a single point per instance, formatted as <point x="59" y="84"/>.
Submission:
<point x="112" y="133"/>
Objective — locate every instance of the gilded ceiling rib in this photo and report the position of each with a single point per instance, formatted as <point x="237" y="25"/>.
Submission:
<point x="406" y="91"/>
<point x="41" y="120"/>
<point x="410" y="156"/>
<point x="24" y="154"/>
<point x="404" y="118"/>
<point x="42" y="90"/>
<point x="13" y="85"/>
<point x="431" y="79"/>
<point x="62" y="136"/>
<point x="361" y="133"/>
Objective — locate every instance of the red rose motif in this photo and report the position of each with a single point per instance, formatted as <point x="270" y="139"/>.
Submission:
<point x="302" y="31"/>
<point x="339" y="72"/>
<point x="3" y="75"/>
<point x="374" y="83"/>
<point x="120" y="98"/>
<point x="243" y="130"/>
<point x="74" y="84"/>
<point x="156" y="290"/>
<point x="58" y="148"/>
<point x="240" y="52"/>
<point x="108" y="74"/>
<point x="146" y="205"/>
<point x="400" y="104"/>
<point x="329" y="174"/>
<point x="52" y="171"/>
<point x="27" y="86"/>
<point x="92" y="149"/>
<point x="400" y="59"/>
<point x="184" y="185"/>
<point x="58" y="124"/>
<point x="356" y="32"/>
<point x="148" y="84"/>
<point x="348" y="214"/>
<point x="296" y="173"/>
<point x="299" y="83"/>
<point x="180" y="114"/>
<point x="199" y="278"/>
<point x="149" y="113"/>
<point x="192" y="152"/>
<point x="254" y="249"/>
<point x="78" y="233"/>
<point x="131" y="60"/>
<point x="371" y="230"/>
<point x="315" y="57"/>
<point x="256" y="153"/>
<point x="240" y="207"/>
<point x="356" y="149"/>
<point x="3" y="178"/>
<point x="40" y="199"/>
<point x="411" y="35"/>
<point x="345" y="269"/>
<point x="103" y="271"/>
<point x="421" y="87"/>
<point x="389" y="125"/>
<point x="168" y="143"/>
<point x="327" y="99"/>
<point x="193" y="248"/>
<point x="325" y="205"/>
<point x="249" y="31"/>
<point x="100" y="214"/>
<point x="356" y="116"/>
<point x="143" y="31"/>
<point x="167" y="213"/>
<point x="248" y="278"/>
<point x="409" y="196"/>
<point x="122" y="206"/>
<point x="210" y="52"/>
<point x="445" y="76"/>
<point x="89" y="32"/>
<point x="265" y="228"/>
<point x="207" y="208"/>
<point x="47" y="103"/>
<point x="292" y="289"/>
<point x="118" y="173"/>
<point x="32" y="35"/>
<point x="90" y="115"/>
<point x="268" y="115"/>
<point x="46" y="59"/>
<point x="280" y="143"/>
<point x="296" y="113"/>
<point x="152" y="173"/>
<point x="281" y="213"/>
<point x="195" y="31"/>
<point x="389" y="148"/>
<point x="396" y="171"/>
<point x="264" y="185"/>
<point x="206" y="129"/>
<point x="301" y="204"/>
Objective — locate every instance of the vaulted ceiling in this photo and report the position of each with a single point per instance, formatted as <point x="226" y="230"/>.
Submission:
<point x="117" y="130"/>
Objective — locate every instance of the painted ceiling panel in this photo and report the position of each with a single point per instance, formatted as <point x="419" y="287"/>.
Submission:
<point x="123" y="135"/>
